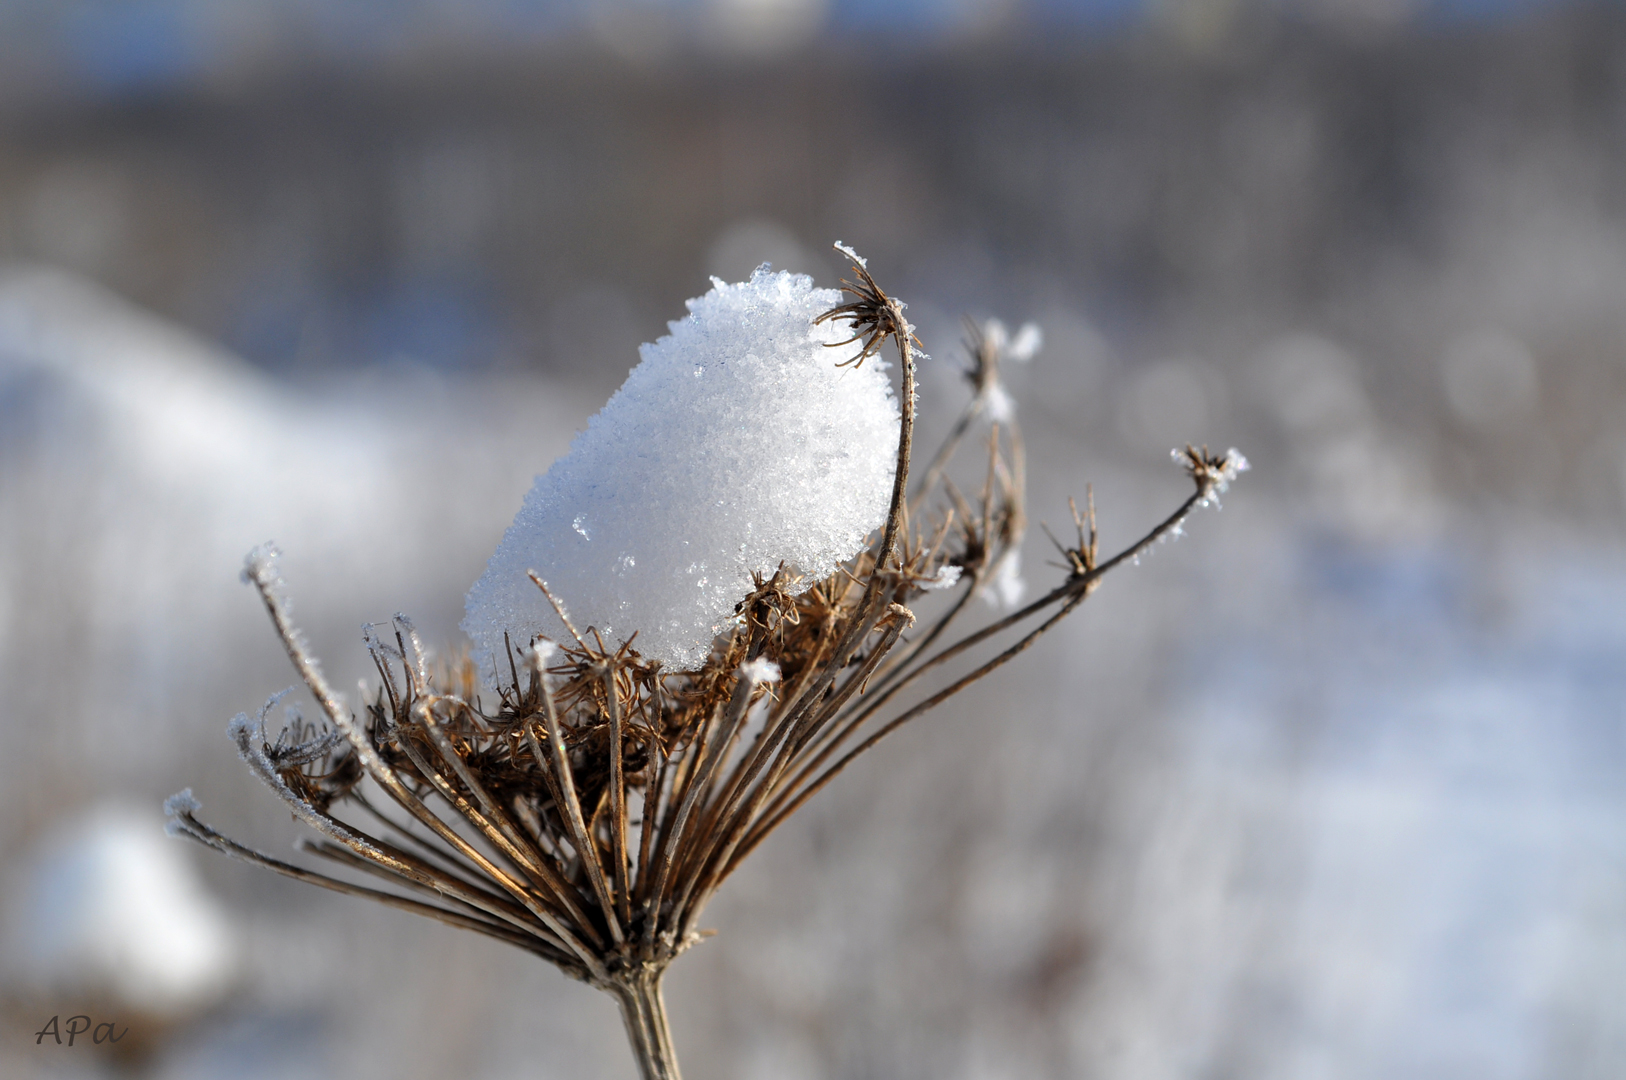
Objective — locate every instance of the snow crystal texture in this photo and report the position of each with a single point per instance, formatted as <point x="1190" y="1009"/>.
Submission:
<point x="737" y="443"/>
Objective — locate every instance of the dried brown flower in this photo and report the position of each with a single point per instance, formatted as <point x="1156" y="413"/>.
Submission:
<point x="590" y="812"/>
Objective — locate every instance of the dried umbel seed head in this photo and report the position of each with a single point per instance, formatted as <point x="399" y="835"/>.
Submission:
<point x="588" y="804"/>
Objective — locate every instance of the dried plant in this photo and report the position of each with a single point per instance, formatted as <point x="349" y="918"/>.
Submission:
<point x="591" y="811"/>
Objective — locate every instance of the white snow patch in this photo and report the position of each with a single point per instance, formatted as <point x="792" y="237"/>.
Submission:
<point x="946" y="578"/>
<point x="1006" y="588"/>
<point x="113" y="910"/>
<point x="735" y="445"/>
<point x="761" y="670"/>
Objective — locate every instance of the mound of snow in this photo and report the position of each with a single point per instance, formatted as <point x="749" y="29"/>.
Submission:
<point x="735" y="445"/>
<point x="114" y="912"/>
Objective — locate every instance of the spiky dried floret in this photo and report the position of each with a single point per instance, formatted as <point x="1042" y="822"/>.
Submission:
<point x="1213" y="473"/>
<point x="872" y="315"/>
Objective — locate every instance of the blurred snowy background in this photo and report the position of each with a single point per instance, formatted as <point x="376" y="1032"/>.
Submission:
<point x="1333" y="788"/>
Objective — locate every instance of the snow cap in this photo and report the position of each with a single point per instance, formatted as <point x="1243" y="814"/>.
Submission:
<point x="735" y="445"/>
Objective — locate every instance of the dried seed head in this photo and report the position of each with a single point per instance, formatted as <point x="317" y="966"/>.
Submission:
<point x="526" y="798"/>
<point x="873" y="315"/>
<point x="1212" y="473"/>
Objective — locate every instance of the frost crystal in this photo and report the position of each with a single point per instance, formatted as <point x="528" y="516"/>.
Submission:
<point x="1027" y="343"/>
<point x="1007" y="587"/>
<point x="851" y="254"/>
<point x="1021" y="348"/>
<point x="1001" y="407"/>
<point x="946" y="578"/>
<point x="735" y="445"/>
<point x="760" y="670"/>
<point x="1233" y="464"/>
<point x="540" y="656"/>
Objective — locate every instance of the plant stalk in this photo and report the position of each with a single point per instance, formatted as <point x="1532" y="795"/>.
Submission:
<point x="643" y="1009"/>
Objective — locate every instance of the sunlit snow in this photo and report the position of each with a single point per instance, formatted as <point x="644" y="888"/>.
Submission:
<point x="738" y="443"/>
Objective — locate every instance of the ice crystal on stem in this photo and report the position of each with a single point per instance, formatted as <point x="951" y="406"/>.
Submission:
<point x="497" y="799"/>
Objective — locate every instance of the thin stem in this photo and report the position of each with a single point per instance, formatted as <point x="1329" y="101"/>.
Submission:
<point x="1076" y="585"/>
<point x="346" y="857"/>
<point x="250" y="745"/>
<point x="618" y="800"/>
<point x="762" y="831"/>
<point x="195" y="830"/>
<point x="650" y="812"/>
<point x="683" y="846"/>
<point x="683" y="805"/>
<point x="898" y="666"/>
<point x="493" y="824"/>
<point x="793" y="717"/>
<point x="586" y="850"/>
<point x="739" y="826"/>
<point x="448" y="861"/>
<point x="260" y="572"/>
<point x="934" y="471"/>
<point x="643" y="1010"/>
<point x="1074" y="591"/>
